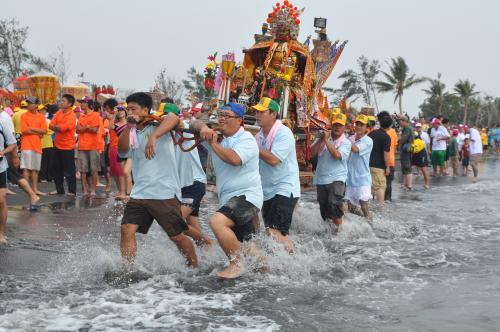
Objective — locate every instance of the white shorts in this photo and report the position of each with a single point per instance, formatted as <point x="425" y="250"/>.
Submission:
<point x="31" y="160"/>
<point x="356" y="194"/>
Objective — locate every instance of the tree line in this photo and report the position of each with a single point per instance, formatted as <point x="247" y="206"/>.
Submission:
<point x="462" y="104"/>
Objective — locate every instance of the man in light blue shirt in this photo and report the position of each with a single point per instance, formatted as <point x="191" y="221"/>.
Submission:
<point x="279" y="171"/>
<point x="8" y="141"/>
<point x="359" y="179"/>
<point x="192" y="179"/>
<point x="236" y="163"/>
<point x="333" y="150"/>
<point x="156" y="191"/>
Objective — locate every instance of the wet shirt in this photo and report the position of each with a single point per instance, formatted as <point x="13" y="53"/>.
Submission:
<point x="439" y="144"/>
<point x="282" y="179"/>
<point x="65" y="137"/>
<point x="330" y="169"/>
<point x="88" y="140"/>
<point x="157" y="178"/>
<point x="32" y="142"/>
<point x="358" y="164"/>
<point x="381" y="143"/>
<point x="6" y="138"/>
<point x="188" y="164"/>
<point x="239" y="180"/>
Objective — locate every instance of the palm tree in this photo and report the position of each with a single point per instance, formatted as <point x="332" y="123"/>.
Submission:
<point x="465" y="90"/>
<point x="436" y="92"/>
<point x="398" y="80"/>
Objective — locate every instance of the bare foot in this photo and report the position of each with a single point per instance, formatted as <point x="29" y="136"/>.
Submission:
<point x="120" y="198"/>
<point x="71" y="194"/>
<point x="233" y="271"/>
<point x="55" y="193"/>
<point x="92" y="194"/>
<point x="107" y="189"/>
<point x="100" y="184"/>
<point x="38" y="192"/>
<point x="35" y="200"/>
<point x="3" y="240"/>
<point x="10" y="192"/>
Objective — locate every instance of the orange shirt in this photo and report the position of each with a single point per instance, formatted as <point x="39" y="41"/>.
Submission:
<point x="29" y="121"/>
<point x="88" y="140"/>
<point x="394" y="143"/>
<point x="65" y="137"/>
<point x="113" y="136"/>
<point x="102" y="133"/>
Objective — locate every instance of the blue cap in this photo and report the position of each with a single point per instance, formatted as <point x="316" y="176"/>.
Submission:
<point x="238" y="109"/>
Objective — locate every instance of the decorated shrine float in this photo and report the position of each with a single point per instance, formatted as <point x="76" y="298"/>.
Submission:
<point x="282" y="68"/>
<point x="45" y="86"/>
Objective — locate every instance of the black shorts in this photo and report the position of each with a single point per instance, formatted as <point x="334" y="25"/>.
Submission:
<point x="167" y="212"/>
<point x="405" y="163"/>
<point x="120" y="160"/>
<point x="241" y="212"/>
<point x="14" y="175"/>
<point x="192" y="196"/>
<point x="3" y="180"/>
<point x="277" y="212"/>
<point x="331" y="199"/>
<point x="420" y="159"/>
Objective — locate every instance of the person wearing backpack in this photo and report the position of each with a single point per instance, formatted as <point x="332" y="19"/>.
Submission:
<point x="420" y="157"/>
<point x="405" y="149"/>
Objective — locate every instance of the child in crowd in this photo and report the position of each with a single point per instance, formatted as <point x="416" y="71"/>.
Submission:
<point x="465" y="156"/>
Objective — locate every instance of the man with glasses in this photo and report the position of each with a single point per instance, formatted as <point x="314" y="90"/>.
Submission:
<point x="279" y="171"/>
<point x="236" y="163"/>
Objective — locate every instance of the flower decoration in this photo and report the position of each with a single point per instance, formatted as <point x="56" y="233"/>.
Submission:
<point x="210" y="72"/>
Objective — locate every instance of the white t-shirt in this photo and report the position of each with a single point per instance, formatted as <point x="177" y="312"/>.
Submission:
<point x="460" y="139"/>
<point x="427" y="140"/>
<point x="436" y="135"/>
<point x="7" y="123"/>
<point x="476" y="146"/>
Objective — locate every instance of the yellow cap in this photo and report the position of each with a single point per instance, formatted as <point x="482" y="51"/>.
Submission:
<point x="24" y="103"/>
<point x="340" y="118"/>
<point x="362" y="118"/>
<point x="265" y="104"/>
<point x="41" y="107"/>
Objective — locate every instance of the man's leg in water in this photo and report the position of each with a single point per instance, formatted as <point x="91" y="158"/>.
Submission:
<point x="186" y="247"/>
<point x="194" y="230"/>
<point x="128" y="243"/>
<point x="222" y="228"/>
<point x="3" y="215"/>
<point x="280" y="237"/>
<point x="365" y="210"/>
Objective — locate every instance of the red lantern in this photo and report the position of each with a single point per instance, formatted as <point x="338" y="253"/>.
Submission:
<point x="278" y="4"/>
<point x="269" y="20"/>
<point x="297" y="21"/>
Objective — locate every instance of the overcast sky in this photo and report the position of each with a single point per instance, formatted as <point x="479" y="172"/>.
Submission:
<point x="126" y="43"/>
